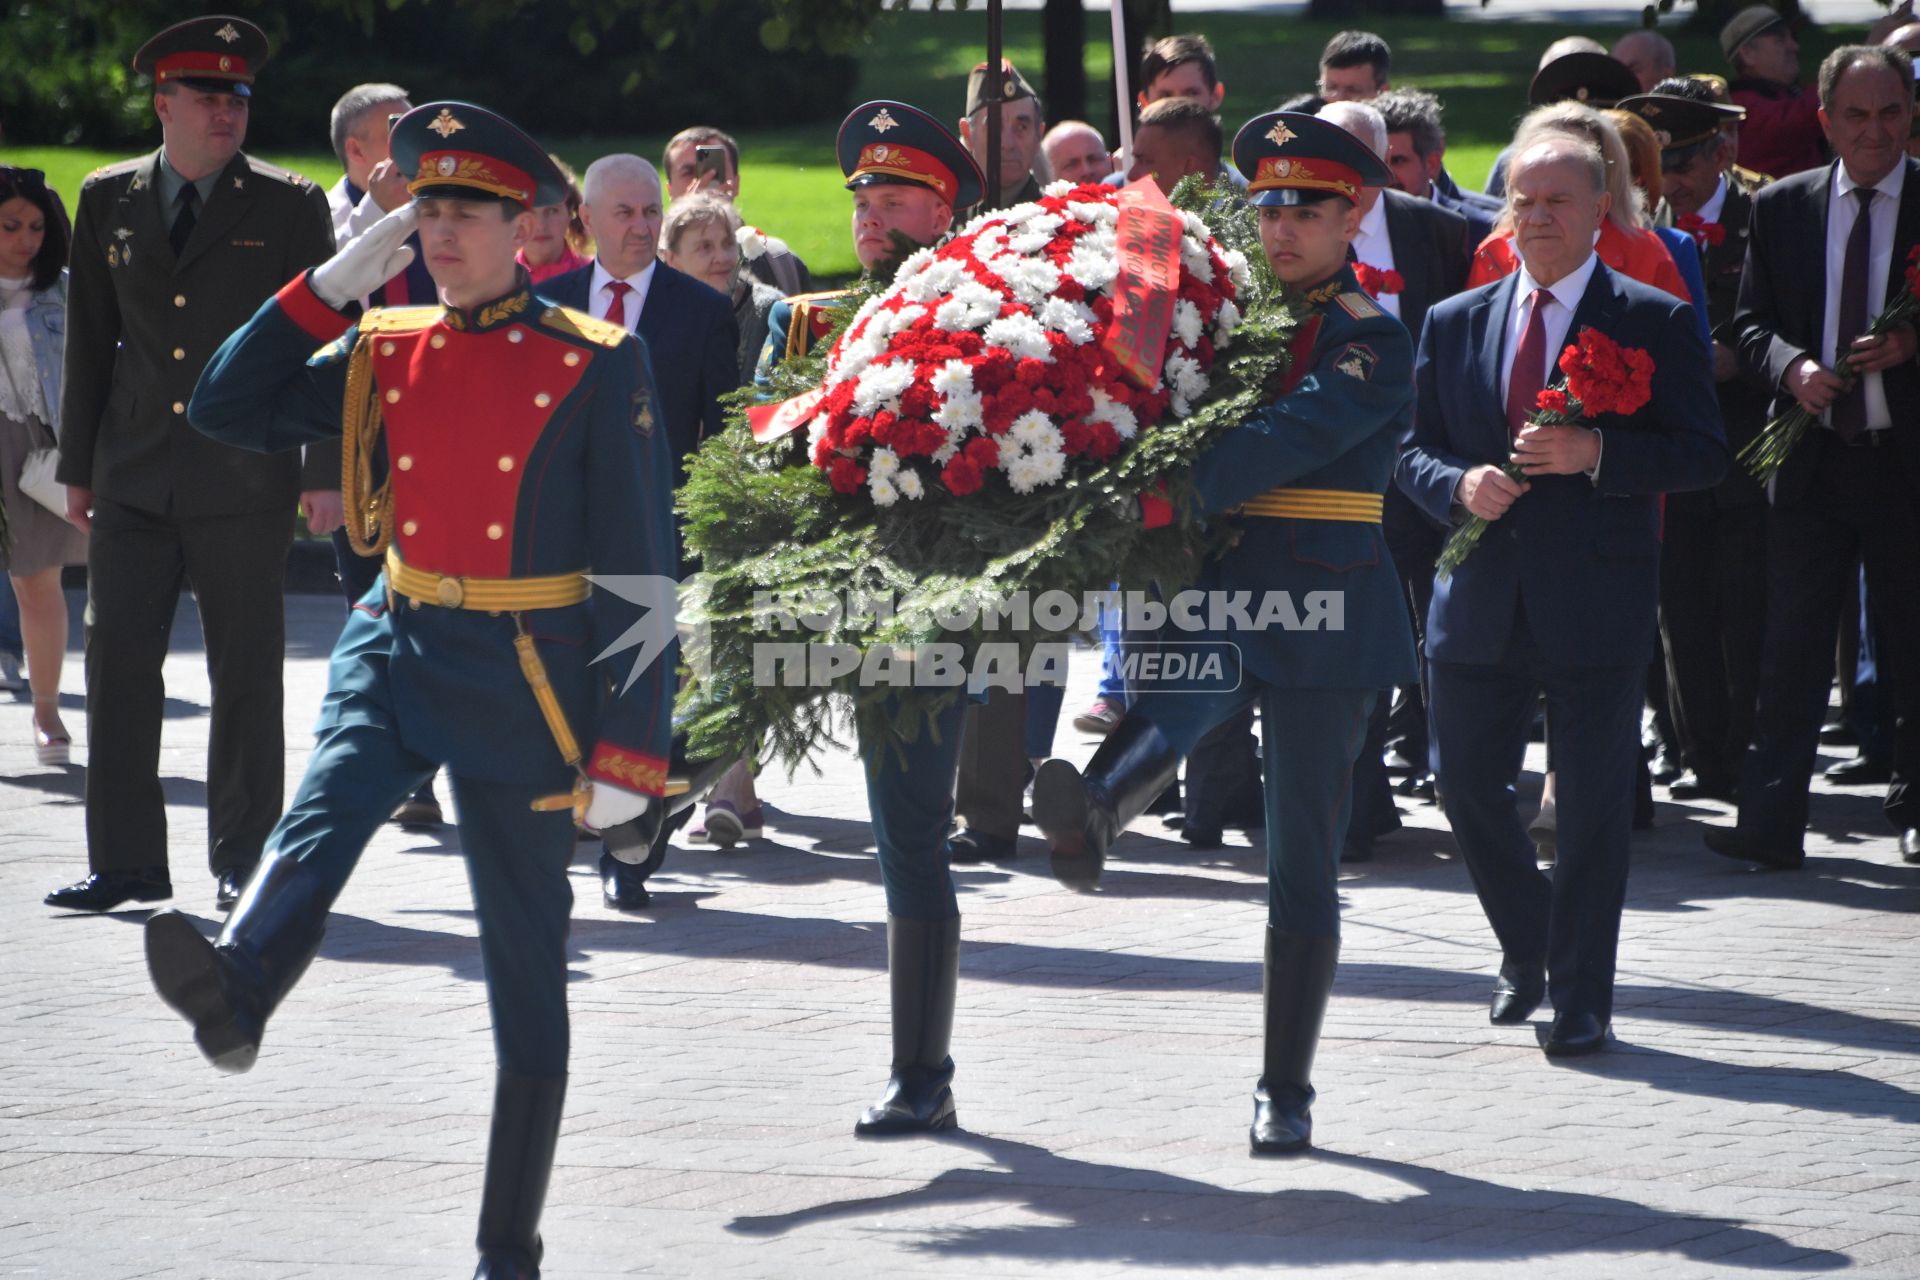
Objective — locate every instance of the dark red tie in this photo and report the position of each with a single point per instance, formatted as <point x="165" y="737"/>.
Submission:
<point x="1850" y="410"/>
<point x="617" y="309"/>
<point x="1529" y="373"/>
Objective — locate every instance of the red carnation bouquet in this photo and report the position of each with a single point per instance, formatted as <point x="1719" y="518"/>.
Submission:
<point x="1376" y="282"/>
<point x="1766" y="452"/>
<point x="1599" y="377"/>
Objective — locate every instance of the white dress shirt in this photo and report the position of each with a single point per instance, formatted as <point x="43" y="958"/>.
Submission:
<point x="1373" y="247"/>
<point x="1715" y="203"/>
<point x="1842" y="209"/>
<point x="598" y="298"/>
<point x="1557" y="318"/>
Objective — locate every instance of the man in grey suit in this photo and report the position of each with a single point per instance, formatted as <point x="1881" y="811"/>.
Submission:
<point x="172" y="252"/>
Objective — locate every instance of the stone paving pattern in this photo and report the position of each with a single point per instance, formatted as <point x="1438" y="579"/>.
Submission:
<point x="1759" y="1115"/>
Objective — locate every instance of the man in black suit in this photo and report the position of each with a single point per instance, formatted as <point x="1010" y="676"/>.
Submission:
<point x="171" y="253"/>
<point x="1713" y="578"/>
<point x="1559" y="595"/>
<point x="1826" y="253"/>
<point x="1416" y="152"/>
<point x="690" y="337"/>
<point x="1425" y="251"/>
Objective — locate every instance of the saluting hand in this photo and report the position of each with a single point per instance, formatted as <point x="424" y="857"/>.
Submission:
<point x="388" y="186"/>
<point x="368" y="261"/>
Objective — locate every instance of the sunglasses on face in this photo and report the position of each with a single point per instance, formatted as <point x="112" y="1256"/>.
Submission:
<point x="21" y="182"/>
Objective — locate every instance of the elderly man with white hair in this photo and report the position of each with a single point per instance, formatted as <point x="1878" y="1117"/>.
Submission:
<point x="689" y="332"/>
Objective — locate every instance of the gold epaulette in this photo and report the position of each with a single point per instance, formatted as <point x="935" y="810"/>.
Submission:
<point x="398" y="319"/>
<point x="578" y="324"/>
<point x="1358" y="305"/>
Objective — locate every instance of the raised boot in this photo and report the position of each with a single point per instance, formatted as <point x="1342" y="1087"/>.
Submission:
<point x="1082" y="814"/>
<point x="1299" y="978"/>
<point x="923" y="971"/>
<point x="526" y="1128"/>
<point x="228" y="987"/>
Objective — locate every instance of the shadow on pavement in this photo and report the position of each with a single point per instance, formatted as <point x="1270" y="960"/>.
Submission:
<point x="1146" y="1218"/>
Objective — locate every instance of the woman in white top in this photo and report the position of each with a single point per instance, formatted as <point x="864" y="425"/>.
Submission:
<point x="34" y="235"/>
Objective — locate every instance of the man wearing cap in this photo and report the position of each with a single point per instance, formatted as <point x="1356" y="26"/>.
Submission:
<point x="1782" y="133"/>
<point x="171" y="253"/>
<point x="1022" y="123"/>
<point x="1828" y="251"/>
<point x="1301" y="479"/>
<point x="1573" y="69"/>
<point x="1712" y="547"/>
<point x="527" y="452"/>
<point x="1560" y="593"/>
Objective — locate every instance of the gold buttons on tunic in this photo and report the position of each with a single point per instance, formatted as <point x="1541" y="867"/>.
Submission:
<point x="515" y="335"/>
<point x="393" y="395"/>
<point x="506" y="464"/>
<point x="495" y="532"/>
<point x="178" y="407"/>
<point x="437" y="341"/>
<point x="406" y="462"/>
<point x="410" y="528"/>
<point x="179" y="353"/>
<point x="572" y="358"/>
<point x="542" y="400"/>
<point x="179" y="299"/>
<point x="386" y="348"/>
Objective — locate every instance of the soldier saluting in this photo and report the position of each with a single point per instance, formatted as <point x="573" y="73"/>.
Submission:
<point x="524" y="453"/>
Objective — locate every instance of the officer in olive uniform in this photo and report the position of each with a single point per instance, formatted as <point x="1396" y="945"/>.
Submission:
<point x="907" y="173"/>
<point x="1022" y="123"/>
<point x="1713" y="567"/>
<point x="525" y="454"/>
<point x="1303" y="481"/>
<point x="171" y="253"/>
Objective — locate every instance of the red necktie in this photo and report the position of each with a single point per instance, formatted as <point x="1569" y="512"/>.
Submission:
<point x="1529" y="373"/>
<point x="617" y="309"/>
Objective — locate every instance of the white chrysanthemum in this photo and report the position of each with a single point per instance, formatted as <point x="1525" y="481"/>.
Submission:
<point x="1106" y="409"/>
<point x="988" y="245"/>
<point x="959" y="412"/>
<point x="1033" y="280"/>
<point x="909" y="484"/>
<point x="1195" y="226"/>
<point x="1097" y="214"/>
<point x="1185" y="380"/>
<point x="1237" y="269"/>
<point x="885" y="462"/>
<point x="1023" y="473"/>
<point x="972" y="306"/>
<point x="915" y="263"/>
<point x="1225" y="321"/>
<point x="956" y="436"/>
<point x="940" y="278"/>
<point x="816" y="431"/>
<point x="1033" y="430"/>
<point x="1092" y="269"/>
<point x="885" y="494"/>
<point x="1052" y="464"/>
<point x="1057" y="188"/>
<point x="1195" y="258"/>
<point x="1072" y="320"/>
<point x="954" y="378"/>
<point x="1187" y="325"/>
<point x="903" y="319"/>
<point x="880" y="385"/>
<point x="1021" y="335"/>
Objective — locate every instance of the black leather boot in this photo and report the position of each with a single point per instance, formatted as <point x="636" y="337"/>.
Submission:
<point x="1299" y="978"/>
<point x="1082" y="815"/>
<point x="526" y="1128"/>
<point x="923" y="970"/>
<point x="228" y="987"/>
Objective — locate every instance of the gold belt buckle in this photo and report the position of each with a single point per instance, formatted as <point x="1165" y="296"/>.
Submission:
<point x="450" y="593"/>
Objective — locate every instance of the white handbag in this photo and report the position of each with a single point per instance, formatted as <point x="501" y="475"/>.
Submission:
<point x="37" y="482"/>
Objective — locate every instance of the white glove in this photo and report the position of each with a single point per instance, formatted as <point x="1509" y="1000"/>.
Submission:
<point x="367" y="261"/>
<point x="609" y="806"/>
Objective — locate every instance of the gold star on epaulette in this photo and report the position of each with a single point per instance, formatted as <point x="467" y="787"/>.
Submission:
<point x="445" y="124"/>
<point x="227" y="33"/>
<point x="1280" y="135"/>
<point x="883" y="121"/>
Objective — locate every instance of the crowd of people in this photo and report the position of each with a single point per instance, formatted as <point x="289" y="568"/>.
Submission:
<point x="183" y="363"/>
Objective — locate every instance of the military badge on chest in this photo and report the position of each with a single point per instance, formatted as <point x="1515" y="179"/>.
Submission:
<point x="120" y="253"/>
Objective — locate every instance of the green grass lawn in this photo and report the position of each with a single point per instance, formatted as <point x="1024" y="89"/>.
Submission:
<point x="790" y="183"/>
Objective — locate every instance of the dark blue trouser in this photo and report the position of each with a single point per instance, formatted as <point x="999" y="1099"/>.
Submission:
<point x="912" y="808"/>
<point x="1309" y="738"/>
<point x="1480" y="718"/>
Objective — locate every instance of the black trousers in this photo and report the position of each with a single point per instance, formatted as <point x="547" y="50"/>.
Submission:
<point x="992" y="780"/>
<point x="237" y="567"/>
<point x="1861" y="507"/>
<point x="1713" y="619"/>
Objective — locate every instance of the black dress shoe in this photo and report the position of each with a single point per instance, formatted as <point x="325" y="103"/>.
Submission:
<point x="1910" y="845"/>
<point x="1574" y="1034"/>
<point x="968" y="847"/>
<point x="1692" y="786"/>
<point x="1664" y="768"/>
<point x="623" y="886"/>
<point x="1861" y="771"/>
<point x="105" y="890"/>
<point x="1418" y="784"/>
<point x="1203" y="838"/>
<point x="227" y="886"/>
<point x="1517" y="992"/>
<point x="1839" y="734"/>
<point x="1728" y="843"/>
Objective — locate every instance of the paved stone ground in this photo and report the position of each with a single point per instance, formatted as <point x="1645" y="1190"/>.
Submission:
<point x="1758" y="1117"/>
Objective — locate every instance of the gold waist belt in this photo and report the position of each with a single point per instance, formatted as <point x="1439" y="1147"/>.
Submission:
<point x="1315" y="504"/>
<point x="488" y="595"/>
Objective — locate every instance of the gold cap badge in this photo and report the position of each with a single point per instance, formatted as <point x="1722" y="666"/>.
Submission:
<point x="1280" y="135"/>
<point x="883" y="121"/>
<point x="227" y="33"/>
<point x="445" y="124"/>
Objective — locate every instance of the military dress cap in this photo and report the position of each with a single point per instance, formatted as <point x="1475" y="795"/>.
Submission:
<point x="1717" y="84"/>
<point x="891" y="143"/>
<point x="1679" y="122"/>
<point x="456" y="149"/>
<point x="1755" y="19"/>
<point x="1591" y="78"/>
<point x="1291" y="158"/>
<point x="1013" y="86"/>
<point x="215" y="54"/>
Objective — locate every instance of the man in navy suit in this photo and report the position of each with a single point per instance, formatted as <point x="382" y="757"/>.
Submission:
<point x="1417" y="151"/>
<point x="690" y="335"/>
<point x="1560" y="593"/>
<point x="688" y="327"/>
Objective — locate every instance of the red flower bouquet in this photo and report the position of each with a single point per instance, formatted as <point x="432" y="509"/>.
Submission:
<point x="1705" y="234"/>
<point x="1376" y="282"/>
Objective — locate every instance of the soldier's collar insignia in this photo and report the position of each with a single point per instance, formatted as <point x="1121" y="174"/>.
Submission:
<point x="1325" y="293"/>
<point x="138" y="184"/>
<point x="446" y="124"/>
<point x="1280" y="135"/>
<point x="883" y="121"/>
<point x="239" y="184"/>
<point x="227" y="33"/>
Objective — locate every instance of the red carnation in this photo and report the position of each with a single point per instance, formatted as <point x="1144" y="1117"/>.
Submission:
<point x="961" y="476"/>
<point x="1552" y="400"/>
<point x="846" y="475"/>
<point x="982" y="453"/>
<point x="1606" y="377"/>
